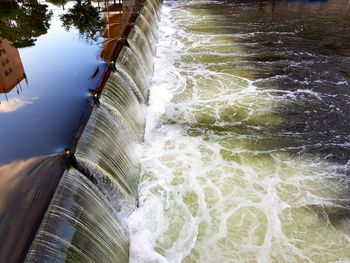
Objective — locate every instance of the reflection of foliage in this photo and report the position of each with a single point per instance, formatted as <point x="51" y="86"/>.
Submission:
<point x="57" y="2"/>
<point x="24" y="23"/>
<point x="85" y="18"/>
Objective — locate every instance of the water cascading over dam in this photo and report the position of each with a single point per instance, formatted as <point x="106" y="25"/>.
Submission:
<point x="85" y="221"/>
<point x="246" y="148"/>
<point x="247" y="135"/>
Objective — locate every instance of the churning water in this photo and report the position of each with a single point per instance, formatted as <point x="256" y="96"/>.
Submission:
<point x="247" y="135"/>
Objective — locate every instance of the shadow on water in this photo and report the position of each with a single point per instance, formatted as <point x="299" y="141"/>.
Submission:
<point x="298" y="56"/>
<point x="26" y="189"/>
<point x="299" y="53"/>
<point x="267" y="87"/>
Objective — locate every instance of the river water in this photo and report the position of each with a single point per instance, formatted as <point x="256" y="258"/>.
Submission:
<point x="247" y="139"/>
<point x="52" y="66"/>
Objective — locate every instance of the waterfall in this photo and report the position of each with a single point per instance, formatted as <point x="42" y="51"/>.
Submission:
<point x="106" y="151"/>
<point x="141" y="46"/>
<point x="150" y="32"/>
<point x="142" y="41"/>
<point x="79" y="226"/>
<point x="129" y="65"/>
<point x="85" y="219"/>
<point x="121" y="101"/>
<point x="153" y="8"/>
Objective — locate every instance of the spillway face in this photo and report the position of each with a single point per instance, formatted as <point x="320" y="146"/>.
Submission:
<point x="79" y="226"/>
<point x="108" y="147"/>
<point x="245" y="147"/>
<point x="85" y="221"/>
<point x="120" y="101"/>
<point x="106" y="151"/>
<point x="142" y="47"/>
<point x="129" y="65"/>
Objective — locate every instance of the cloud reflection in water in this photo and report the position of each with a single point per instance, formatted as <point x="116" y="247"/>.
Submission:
<point x="15" y="104"/>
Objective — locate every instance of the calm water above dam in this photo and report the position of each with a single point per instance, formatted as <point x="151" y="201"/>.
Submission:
<point x="247" y="136"/>
<point x="48" y="63"/>
<point x="52" y="57"/>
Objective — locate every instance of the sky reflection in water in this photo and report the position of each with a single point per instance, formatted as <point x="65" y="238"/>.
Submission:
<point x="39" y="116"/>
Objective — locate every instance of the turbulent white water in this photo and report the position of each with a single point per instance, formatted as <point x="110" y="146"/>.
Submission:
<point x="218" y="184"/>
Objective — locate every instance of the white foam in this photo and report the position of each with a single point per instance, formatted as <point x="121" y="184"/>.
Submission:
<point x="218" y="197"/>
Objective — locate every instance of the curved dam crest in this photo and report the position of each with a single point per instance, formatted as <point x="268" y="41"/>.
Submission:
<point x="236" y="151"/>
<point x="80" y="216"/>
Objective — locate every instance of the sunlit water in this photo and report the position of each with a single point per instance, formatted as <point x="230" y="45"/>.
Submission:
<point x="247" y="137"/>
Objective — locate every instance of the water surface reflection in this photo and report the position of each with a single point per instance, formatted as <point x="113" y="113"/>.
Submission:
<point x="53" y="59"/>
<point x="11" y="71"/>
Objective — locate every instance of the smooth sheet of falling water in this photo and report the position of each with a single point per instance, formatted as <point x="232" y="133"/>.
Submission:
<point x="80" y="225"/>
<point x="129" y="63"/>
<point x="107" y="151"/>
<point x="122" y="102"/>
<point x="237" y="167"/>
<point x="141" y="46"/>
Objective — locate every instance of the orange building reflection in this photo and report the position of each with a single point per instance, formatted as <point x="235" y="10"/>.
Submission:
<point x="113" y="31"/>
<point x="117" y="16"/>
<point x="11" y="67"/>
<point x="119" y="22"/>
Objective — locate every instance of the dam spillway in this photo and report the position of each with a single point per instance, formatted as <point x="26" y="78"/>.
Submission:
<point x="85" y="220"/>
<point x="245" y="157"/>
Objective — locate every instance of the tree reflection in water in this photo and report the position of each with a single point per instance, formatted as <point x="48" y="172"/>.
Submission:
<point x="86" y="18"/>
<point x="23" y="23"/>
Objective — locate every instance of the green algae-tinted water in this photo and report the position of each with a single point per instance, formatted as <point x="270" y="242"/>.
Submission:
<point x="247" y="138"/>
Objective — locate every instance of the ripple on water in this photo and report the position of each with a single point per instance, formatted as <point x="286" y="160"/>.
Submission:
<point x="237" y="160"/>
